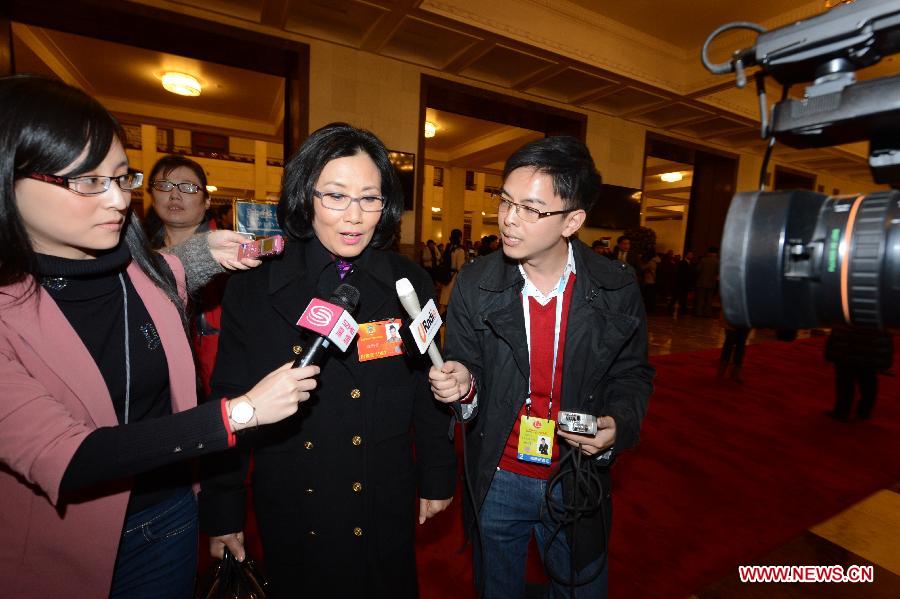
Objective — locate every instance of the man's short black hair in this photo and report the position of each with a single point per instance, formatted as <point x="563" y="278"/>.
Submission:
<point x="568" y="162"/>
<point x="623" y="238"/>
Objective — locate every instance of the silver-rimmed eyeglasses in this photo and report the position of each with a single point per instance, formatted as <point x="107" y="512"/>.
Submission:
<point x="526" y="213"/>
<point x="92" y="185"/>
<point x="183" y="187"/>
<point x="341" y="201"/>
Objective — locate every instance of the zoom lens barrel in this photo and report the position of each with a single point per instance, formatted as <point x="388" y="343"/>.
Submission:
<point x="798" y="259"/>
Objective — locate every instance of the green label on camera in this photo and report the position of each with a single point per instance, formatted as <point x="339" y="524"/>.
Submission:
<point x="833" y="246"/>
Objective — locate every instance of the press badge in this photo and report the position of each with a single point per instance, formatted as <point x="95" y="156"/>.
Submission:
<point x="379" y="339"/>
<point x="535" y="440"/>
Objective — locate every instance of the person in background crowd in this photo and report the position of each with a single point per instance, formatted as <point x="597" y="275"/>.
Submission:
<point x="455" y="258"/>
<point x="685" y="275"/>
<point x="623" y="253"/>
<point x="98" y="394"/>
<point x="707" y="281"/>
<point x="334" y="488"/>
<point x="180" y="200"/>
<point x="649" y="265"/>
<point x="858" y="356"/>
<point x="601" y="247"/>
<point x="430" y="258"/>
<point x="665" y="277"/>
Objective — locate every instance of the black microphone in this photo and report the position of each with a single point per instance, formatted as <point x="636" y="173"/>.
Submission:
<point x="320" y="318"/>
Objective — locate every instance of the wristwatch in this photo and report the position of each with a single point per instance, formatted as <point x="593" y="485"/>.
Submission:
<point x="242" y="412"/>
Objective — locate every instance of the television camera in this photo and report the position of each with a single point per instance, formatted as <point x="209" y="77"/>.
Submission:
<point x="799" y="259"/>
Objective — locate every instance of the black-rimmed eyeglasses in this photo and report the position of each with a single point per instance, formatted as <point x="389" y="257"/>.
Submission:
<point x="92" y="185"/>
<point x="341" y="201"/>
<point x="526" y="213"/>
<point x="183" y="187"/>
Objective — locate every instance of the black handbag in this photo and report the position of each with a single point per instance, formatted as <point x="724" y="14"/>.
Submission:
<point x="231" y="579"/>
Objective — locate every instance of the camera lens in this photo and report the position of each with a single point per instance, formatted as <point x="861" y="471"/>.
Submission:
<point x="798" y="259"/>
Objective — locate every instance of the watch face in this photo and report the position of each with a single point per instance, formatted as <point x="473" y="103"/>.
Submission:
<point x="242" y="412"/>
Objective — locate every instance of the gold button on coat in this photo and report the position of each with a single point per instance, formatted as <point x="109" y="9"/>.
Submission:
<point x="308" y="445"/>
<point x="356" y="440"/>
<point x="356" y="394"/>
<point x="357" y="487"/>
<point x="357" y="531"/>
<point x="296" y="349"/>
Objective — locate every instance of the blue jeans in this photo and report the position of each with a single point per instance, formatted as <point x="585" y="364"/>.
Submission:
<point x="158" y="551"/>
<point x="514" y="509"/>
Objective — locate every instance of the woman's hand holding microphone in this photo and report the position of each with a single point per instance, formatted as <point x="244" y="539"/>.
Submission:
<point x="276" y="397"/>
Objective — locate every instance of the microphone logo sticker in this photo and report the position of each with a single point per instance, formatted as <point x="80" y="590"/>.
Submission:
<point x="320" y="315"/>
<point x="426" y="325"/>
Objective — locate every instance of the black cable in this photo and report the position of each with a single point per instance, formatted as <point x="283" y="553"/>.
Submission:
<point x="586" y="483"/>
<point x="728" y="66"/>
<point x="457" y="409"/>
<point x="770" y="145"/>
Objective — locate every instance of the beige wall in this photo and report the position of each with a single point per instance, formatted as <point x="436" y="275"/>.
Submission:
<point x="367" y="91"/>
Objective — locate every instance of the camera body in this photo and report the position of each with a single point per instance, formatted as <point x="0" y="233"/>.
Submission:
<point x="259" y="248"/>
<point x="798" y="259"/>
<point x="575" y="422"/>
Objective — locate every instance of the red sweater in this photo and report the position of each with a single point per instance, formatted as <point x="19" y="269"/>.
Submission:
<point x="543" y="321"/>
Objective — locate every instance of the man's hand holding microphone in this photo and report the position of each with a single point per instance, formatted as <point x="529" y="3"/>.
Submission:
<point x="451" y="382"/>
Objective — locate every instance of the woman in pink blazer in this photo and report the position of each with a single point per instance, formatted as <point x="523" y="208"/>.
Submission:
<point x="98" y="402"/>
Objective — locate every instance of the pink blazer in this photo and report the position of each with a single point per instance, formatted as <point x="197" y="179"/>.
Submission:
<point x="52" y="396"/>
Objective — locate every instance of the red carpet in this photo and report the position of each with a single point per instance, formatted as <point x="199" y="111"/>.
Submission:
<point x="724" y="473"/>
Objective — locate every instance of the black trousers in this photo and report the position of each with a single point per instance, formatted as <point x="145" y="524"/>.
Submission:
<point x="736" y="343"/>
<point x="846" y="379"/>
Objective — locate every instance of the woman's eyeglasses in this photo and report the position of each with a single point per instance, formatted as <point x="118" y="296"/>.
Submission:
<point x="92" y="185"/>
<point x="183" y="187"/>
<point x="341" y="201"/>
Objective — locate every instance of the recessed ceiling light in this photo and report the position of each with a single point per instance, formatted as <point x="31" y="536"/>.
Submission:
<point x="180" y="83"/>
<point x="672" y="177"/>
<point x="430" y="129"/>
<point x="211" y="188"/>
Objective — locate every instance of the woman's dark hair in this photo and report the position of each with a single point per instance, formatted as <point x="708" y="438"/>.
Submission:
<point x="569" y="164"/>
<point x="456" y="237"/>
<point x="45" y="125"/>
<point x="337" y="140"/>
<point x="165" y="165"/>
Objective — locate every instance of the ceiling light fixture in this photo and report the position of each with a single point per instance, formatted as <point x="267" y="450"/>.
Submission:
<point x="430" y="129"/>
<point x="180" y="83"/>
<point x="211" y="188"/>
<point x="672" y="177"/>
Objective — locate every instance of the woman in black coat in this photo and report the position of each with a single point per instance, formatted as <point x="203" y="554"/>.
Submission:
<point x="334" y="487"/>
<point x="858" y="356"/>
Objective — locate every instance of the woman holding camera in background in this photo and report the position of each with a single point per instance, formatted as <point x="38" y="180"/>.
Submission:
<point x="181" y="205"/>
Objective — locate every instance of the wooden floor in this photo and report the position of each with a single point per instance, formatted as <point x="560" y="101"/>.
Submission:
<point x="671" y="335"/>
<point x="865" y="534"/>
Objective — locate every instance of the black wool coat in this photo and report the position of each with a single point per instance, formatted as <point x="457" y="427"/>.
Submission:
<point x="605" y="366"/>
<point x="334" y="487"/>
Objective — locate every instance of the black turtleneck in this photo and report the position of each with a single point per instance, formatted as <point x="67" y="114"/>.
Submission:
<point x="90" y="295"/>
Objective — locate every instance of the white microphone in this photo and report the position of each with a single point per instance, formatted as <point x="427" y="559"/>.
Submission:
<point x="410" y="301"/>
